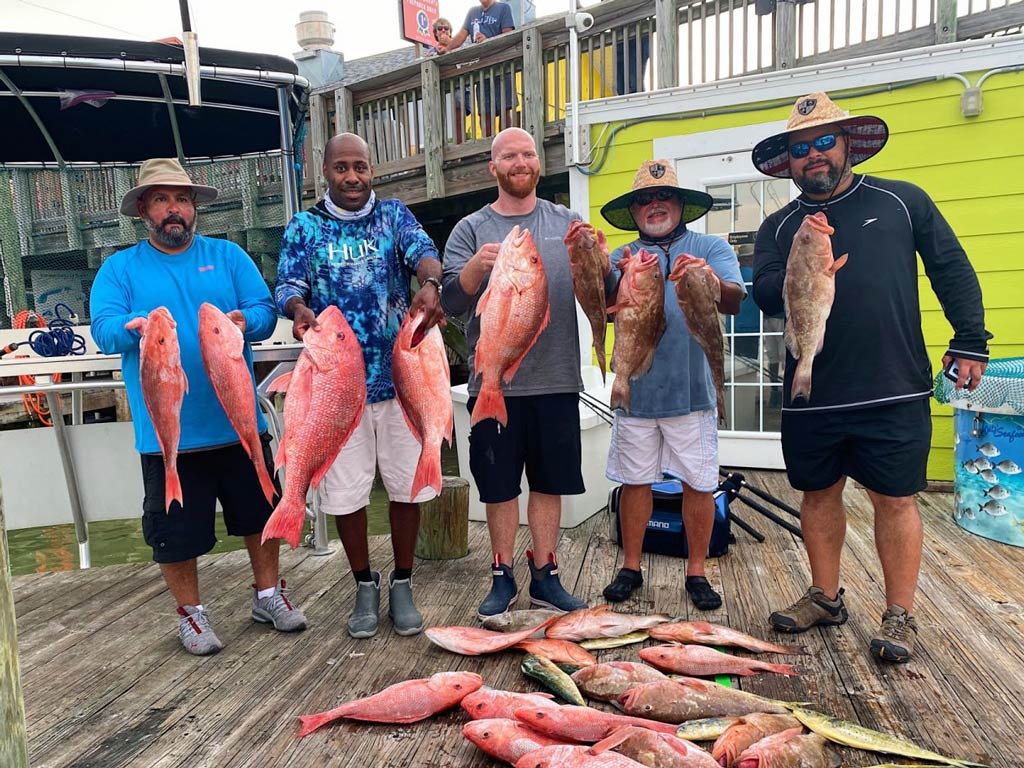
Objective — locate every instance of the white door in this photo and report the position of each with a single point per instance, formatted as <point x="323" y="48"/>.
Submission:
<point x="755" y="353"/>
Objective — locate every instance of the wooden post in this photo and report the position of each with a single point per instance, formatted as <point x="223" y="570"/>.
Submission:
<point x="433" y="128"/>
<point x="945" y="21"/>
<point x="344" y="114"/>
<point x="319" y="133"/>
<point x="667" y="24"/>
<point x="785" y="34"/>
<point x="13" y="740"/>
<point x="534" y="81"/>
<point x="444" y="523"/>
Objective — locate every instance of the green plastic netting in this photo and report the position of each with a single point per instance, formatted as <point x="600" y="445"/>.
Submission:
<point x="58" y="226"/>
<point x="1001" y="389"/>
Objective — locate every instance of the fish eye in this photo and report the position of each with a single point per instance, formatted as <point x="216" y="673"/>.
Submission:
<point x="341" y="335"/>
<point x="161" y="339"/>
<point x="458" y="686"/>
<point x="216" y="330"/>
<point x="647" y="707"/>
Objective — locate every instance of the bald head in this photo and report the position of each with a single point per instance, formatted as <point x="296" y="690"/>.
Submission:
<point x="509" y="136"/>
<point x="348" y="171"/>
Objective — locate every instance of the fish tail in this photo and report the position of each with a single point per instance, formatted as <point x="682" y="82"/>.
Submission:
<point x="782" y="669"/>
<point x="490" y="404"/>
<point x="265" y="482"/>
<point x="285" y="523"/>
<point x="428" y="473"/>
<point x="620" y="393"/>
<point x="172" y="485"/>
<point x="602" y="360"/>
<point x="802" y="379"/>
<point x="311" y="722"/>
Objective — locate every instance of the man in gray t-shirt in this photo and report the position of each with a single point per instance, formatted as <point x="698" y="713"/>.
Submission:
<point x="671" y="428"/>
<point x="543" y="430"/>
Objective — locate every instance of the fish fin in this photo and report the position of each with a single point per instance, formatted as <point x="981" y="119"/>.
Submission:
<point x="285" y="523"/>
<point x="172" y="486"/>
<point x="448" y="430"/>
<point x="408" y="419"/>
<point x="490" y="404"/>
<point x="602" y="361"/>
<point x="838" y="263"/>
<point x="485" y="299"/>
<point x="428" y="472"/>
<point x="615" y="308"/>
<point x="514" y="368"/>
<point x="281" y="383"/>
<point x="620" y="394"/>
<point x="322" y="470"/>
<point x="614" y="739"/>
<point x="802" y="379"/>
<point x="184" y="380"/>
<point x="311" y="722"/>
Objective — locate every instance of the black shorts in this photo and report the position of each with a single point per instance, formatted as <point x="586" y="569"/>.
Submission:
<point x="885" y="448"/>
<point x="543" y="434"/>
<point x="226" y="474"/>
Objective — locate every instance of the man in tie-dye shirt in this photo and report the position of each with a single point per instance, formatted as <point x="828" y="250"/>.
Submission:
<point x="359" y="253"/>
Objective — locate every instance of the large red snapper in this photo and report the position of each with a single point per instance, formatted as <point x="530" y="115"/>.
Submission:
<point x="600" y="621"/>
<point x="808" y="291"/>
<point x="705" y="633"/>
<point x="163" y="388"/>
<point x="588" y="260"/>
<point x="490" y="703"/>
<point x="703" y="661"/>
<point x="407" y="702"/>
<point x="656" y="750"/>
<point x="223" y="349"/>
<point x="325" y="401"/>
<point x="576" y="723"/>
<point x="639" y="311"/>
<point x="559" y="651"/>
<point x="513" y="311"/>
<point x="473" y="641"/>
<point x="504" y="739"/>
<point x="423" y="387"/>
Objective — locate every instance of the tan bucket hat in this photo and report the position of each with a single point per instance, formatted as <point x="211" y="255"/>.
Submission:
<point x="866" y="134"/>
<point x="163" y="172"/>
<point x="656" y="174"/>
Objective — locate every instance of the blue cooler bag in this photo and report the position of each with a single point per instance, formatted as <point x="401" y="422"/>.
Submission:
<point x="665" y="532"/>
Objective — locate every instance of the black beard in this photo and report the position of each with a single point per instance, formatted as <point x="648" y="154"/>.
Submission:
<point x="823" y="184"/>
<point x="168" y="239"/>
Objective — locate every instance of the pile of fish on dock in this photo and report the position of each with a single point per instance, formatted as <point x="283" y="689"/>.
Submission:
<point x="662" y="711"/>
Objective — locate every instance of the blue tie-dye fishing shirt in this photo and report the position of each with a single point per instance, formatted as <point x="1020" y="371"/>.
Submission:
<point x="363" y="267"/>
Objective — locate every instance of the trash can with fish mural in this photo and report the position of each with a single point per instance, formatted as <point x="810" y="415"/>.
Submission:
<point x="988" y="437"/>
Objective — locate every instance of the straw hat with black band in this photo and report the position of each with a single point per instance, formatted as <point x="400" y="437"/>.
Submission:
<point x="865" y="134"/>
<point x="656" y="174"/>
<point x="163" y="172"/>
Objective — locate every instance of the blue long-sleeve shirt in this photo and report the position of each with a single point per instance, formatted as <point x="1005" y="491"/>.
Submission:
<point x="135" y="281"/>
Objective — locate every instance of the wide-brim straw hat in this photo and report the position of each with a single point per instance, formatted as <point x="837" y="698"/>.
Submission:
<point x="163" y="172"/>
<point x="866" y="134"/>
<point x="656" y="174"/>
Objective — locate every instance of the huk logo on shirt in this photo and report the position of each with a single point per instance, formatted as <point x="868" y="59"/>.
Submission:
<point x="346" y="252"/>
<point x="207" y="268"/>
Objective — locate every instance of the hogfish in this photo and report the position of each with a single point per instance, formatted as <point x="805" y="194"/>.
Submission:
<point x="808" y="291"/>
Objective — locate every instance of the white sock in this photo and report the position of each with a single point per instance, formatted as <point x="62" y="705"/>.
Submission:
<point x="198" y="607"/>
<point x="265" y="593"/>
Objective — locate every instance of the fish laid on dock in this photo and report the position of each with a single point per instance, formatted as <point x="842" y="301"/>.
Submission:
<point x="493" y="704"/>
<point x="582" y="723"/>
<point x="686" y="698"/>
<point x="609" y="680"/>
<point x="588" y="623"/>
<point x="791" y="748"/>
<point x="163" y="389"/>
<point x="513" y="621"/>
<point x="473" y="641"/>
<point x="853" y="735"/>
<point x="701" y="661"/>
<point x="746" y="732"/>
<point x="604" y="643"/>
<point x="406" y="702"/>
<point x="558" y="651"/>
<point x="705" y="633"/>
<point x="505" y="739"/>
<point x="656" y="750"/>
<point x="556" y="680"/>
<point x="574" y="756"/>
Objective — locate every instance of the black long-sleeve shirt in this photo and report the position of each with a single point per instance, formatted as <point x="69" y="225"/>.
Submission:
<point x="874" y="351"/>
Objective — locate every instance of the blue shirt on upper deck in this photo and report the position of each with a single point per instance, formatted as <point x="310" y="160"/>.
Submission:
<point x="492" y="20"/>
<point x="679" y="381"/>
<point x="364" y="267"/>
<point x="135" y="281"/>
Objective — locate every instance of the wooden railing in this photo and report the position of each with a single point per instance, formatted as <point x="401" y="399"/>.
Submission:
<point x="434" y="114"/>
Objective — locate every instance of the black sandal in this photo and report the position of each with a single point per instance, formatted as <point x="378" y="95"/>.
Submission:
<point x="622" y="587"/>
<point x="702" y="594"/>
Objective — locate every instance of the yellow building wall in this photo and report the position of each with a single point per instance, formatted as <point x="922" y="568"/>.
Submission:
<point x="972" y="167"/>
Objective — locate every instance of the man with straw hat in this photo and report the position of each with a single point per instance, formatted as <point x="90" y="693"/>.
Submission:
<point x="180" y="270"/>
<point x="868" y="416"/>
<point x="672" y="425"/>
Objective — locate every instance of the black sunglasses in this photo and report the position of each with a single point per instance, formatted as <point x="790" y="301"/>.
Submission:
<point x="646" y="198"/>
<point x="442" y="29"/>
<point x="822" y="144"/>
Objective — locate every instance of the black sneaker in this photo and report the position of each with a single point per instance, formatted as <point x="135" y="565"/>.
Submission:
<point x="622" y="587"/>
<point x="546" y="589"/>
<point x="702" y="594"/>
<point x="503" y="594"/>
<point x="811" y="610"/>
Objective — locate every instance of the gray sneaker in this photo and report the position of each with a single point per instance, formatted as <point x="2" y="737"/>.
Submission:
<point x="196" y="633"/>
<point x="811" y="610"/>
<point x="363" y="621"/>
<point x="894" y="640"/>
<point x="401" y="610"/>
<point x="277" y="610"/>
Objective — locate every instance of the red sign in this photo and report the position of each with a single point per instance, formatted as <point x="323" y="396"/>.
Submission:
<point x="417" y="19"/>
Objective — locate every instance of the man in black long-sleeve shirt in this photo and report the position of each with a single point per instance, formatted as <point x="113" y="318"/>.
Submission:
<point x="868" y="415"/>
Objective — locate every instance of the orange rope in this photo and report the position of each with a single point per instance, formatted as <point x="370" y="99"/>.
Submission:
<point x="35" y="402"/>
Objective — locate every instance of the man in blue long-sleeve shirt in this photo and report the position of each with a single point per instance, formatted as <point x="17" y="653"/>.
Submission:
<point x="178" y="269"/>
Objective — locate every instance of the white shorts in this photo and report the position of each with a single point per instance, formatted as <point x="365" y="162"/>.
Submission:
<point x="643" y="451"/>
<point x="382" y="439"/>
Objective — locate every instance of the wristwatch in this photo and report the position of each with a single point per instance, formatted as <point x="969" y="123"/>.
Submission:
<point x="432" y="281"/>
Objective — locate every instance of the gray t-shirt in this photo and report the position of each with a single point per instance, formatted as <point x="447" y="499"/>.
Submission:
<point x="553" y="365"/>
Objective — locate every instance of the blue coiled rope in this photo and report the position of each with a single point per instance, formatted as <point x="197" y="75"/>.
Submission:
<point x="59" y="338"/>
